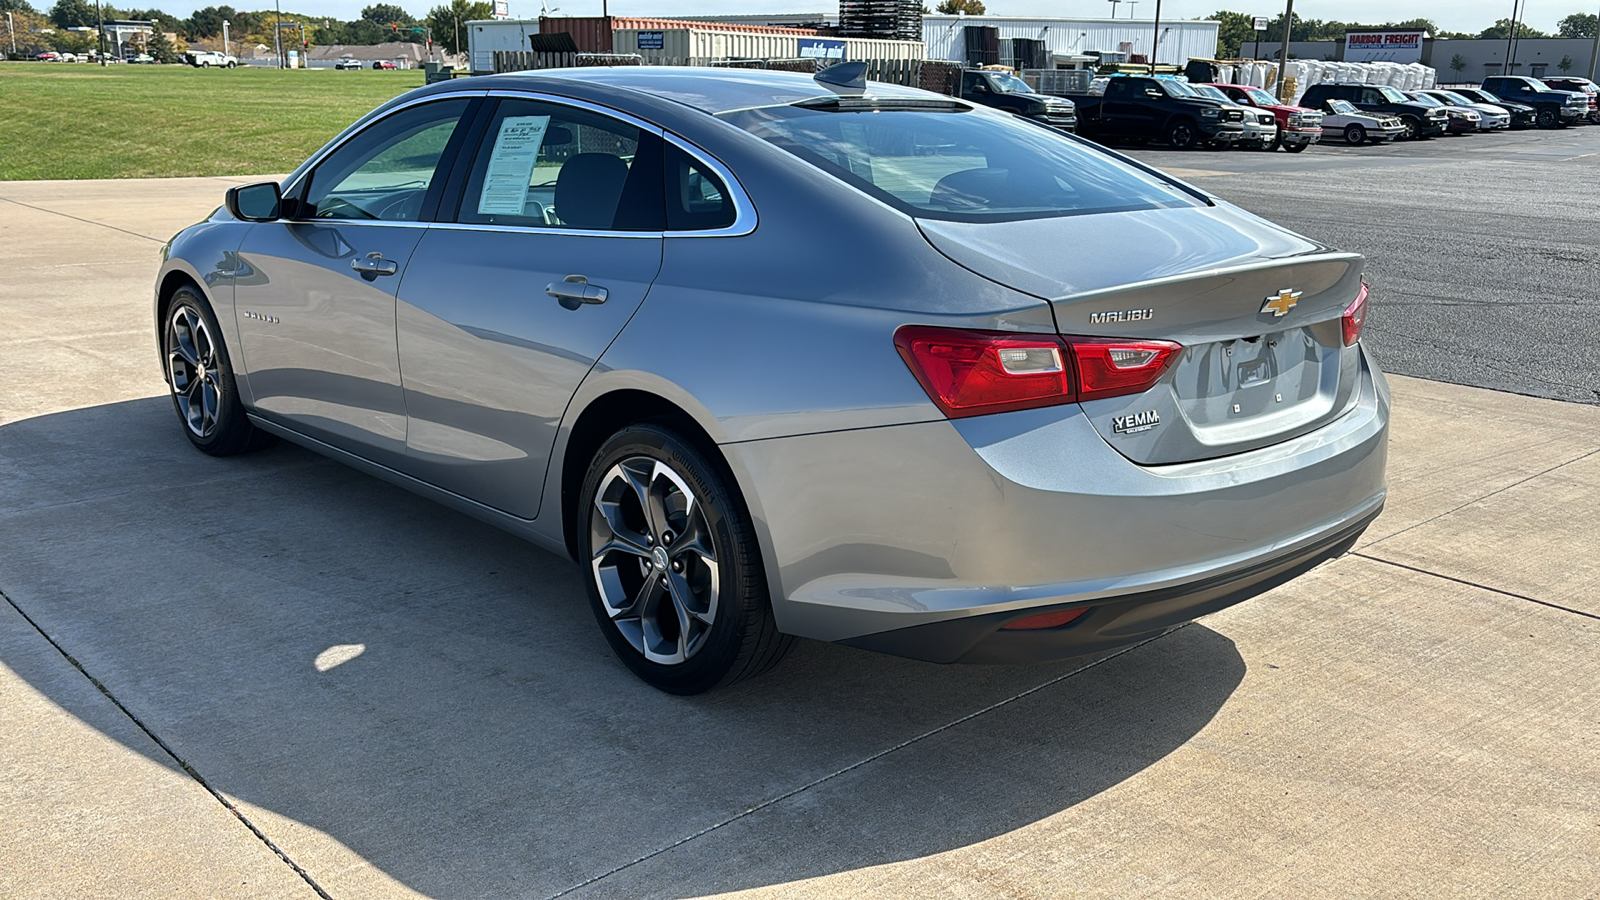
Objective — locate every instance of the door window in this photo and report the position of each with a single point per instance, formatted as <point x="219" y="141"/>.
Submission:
<point x="543" y="165"/>
<point x="385" y="172"/>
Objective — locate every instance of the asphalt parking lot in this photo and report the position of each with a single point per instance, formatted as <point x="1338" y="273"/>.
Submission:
<point x="1481" y="255"/>
<point x="271" y="676"/>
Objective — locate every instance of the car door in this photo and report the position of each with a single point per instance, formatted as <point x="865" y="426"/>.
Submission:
<point x="1119" y="111"/>
<point x="556" y="235"/>
<point x="315" y="300"/>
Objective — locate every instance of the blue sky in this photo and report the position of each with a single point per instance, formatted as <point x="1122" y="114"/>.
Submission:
<point x="1456" y="15"/>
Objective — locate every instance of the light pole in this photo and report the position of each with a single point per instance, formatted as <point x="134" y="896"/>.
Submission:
<point x="11" y="28"/>
<point x="1594" y="53"/>
<point x="1283" y="55"/>
<point x="1510" y="32"/>
<point x="225" y="39"/>
<point x="100" y="20"/>
<point x="1114" y="7"/>
<point x="277" y="34"/>
<point x="1155" y="43"/>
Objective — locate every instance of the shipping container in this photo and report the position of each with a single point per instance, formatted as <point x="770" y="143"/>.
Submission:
<point x="485" y="36"/>
<point x="694" y="46"/>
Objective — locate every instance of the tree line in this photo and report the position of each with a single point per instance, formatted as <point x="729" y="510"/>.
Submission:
<point x="39" y="30"/>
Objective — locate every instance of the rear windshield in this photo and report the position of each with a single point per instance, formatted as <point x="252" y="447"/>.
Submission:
<point x="961" y="165"/>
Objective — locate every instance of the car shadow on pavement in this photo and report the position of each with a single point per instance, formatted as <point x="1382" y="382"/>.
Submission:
<point x="434" y="696"/>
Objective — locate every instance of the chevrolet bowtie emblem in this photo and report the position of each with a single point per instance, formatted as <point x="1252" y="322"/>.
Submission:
<point x="1281" y="303"/>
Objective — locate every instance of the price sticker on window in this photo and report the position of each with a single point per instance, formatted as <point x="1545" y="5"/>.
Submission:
<point x="516" y="152"/>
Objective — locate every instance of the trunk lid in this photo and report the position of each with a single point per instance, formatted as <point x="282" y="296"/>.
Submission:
<point x="1256" y="308"/>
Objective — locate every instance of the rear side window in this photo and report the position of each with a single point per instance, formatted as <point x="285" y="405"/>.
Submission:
<point x="544" y="165"/>
<point x="697" y="200"/>
<point x="959" y="164"/>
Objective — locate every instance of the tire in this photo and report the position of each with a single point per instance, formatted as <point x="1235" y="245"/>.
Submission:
<point x="1295" y="148"/>
<point x="200" y="378"/>
<point x="1548" y="118"/>
<point x="230" y="65"/>
<point x="205" y="65"/>
<point x="1355" y="135"/>
<point x="691" y="561"/>
<point x="1413" y="128"/>
<point x="1182" y="135"/>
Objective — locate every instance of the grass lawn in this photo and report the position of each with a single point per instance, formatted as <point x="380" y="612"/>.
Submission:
<point x="71" y="120"/>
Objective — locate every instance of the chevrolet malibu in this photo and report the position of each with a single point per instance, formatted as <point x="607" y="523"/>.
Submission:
<point x="772" y="355"/>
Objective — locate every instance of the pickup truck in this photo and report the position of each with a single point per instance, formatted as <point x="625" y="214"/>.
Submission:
<point x="1002" y="90"/>
<point x="1553" y="108"/>
<point x="1298" y="127"/>
<point x="1420" y="120"/>
<point x="205" y="59"/>
<point x="1134" y="107"/>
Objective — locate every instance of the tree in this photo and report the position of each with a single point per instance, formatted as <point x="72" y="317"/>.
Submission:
<point x="17" y="6"/>
<point x="386" y="14"/>
<point x="1579" y="25"/>
<point x="161" y="49"/>
<point x="1501" y="30"/>
<point x="72" y="14"/>
<point x="1566" y="63"/>
<point x="961" y="7"/>
<point x="1233" y="30"/>
<point x="205" y="23"/>
<point x="1458" y="64"/>
<point x="164" y="21"/>
<point x="449" y="23"/>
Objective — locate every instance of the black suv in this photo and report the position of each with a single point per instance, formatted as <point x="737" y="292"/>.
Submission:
<point x="1420" y="121"/>
<point x="1554" y="108"/>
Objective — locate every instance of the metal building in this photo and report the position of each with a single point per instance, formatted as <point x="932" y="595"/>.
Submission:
<point x="948" y="37"/>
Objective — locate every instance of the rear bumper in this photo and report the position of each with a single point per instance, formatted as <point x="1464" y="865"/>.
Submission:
<point x="992" y="518"/>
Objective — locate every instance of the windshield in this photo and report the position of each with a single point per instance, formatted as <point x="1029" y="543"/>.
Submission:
<point x="1391" y="95"/>
<point x="1261" y="98"/>
<point x="1425" y="100"/>
<point x="960" y="165"/>
<point x="1343" y="108"/>
<point x="1457" y="99"/>
<point x="1177" y="88"/>
<point x="1206" y="90"/>
<point x="1009" y="84"/>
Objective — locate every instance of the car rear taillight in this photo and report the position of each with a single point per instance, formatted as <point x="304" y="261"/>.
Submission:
<point x="1057" y="619"/>
<point x="972" y="373"/>
<point x="1355" y="315"/>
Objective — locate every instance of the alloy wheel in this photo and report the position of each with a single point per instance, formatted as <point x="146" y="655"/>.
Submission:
<point x="194" y="370"/>
<point x="655" y="559"/>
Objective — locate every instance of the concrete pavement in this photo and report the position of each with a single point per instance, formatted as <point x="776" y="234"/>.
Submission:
<point x="271" y="676"/>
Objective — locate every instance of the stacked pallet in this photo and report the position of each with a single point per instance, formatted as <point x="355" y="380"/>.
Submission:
<point x="898" y="20"/>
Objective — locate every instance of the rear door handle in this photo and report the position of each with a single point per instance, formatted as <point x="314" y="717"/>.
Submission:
<point x="373" y="265"/>
<point x="575" y="290"/>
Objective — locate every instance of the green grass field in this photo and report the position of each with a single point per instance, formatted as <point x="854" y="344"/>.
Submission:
<point x="83" y="121"/>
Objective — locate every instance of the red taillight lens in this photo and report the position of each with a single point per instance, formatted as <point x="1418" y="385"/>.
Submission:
<point x="1046" y="620"/>
<point x="1355" y="315"/>
<point x="1111" y="368"/>
<point x="969" y="373"/>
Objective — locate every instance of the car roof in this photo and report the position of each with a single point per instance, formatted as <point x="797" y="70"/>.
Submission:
<point x="710" y="90"/>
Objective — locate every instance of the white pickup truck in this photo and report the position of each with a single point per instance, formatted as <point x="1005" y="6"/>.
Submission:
<point x="205" y="59"/>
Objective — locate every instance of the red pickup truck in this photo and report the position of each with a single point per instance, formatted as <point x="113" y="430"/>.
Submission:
<point x="1298" y="127"/>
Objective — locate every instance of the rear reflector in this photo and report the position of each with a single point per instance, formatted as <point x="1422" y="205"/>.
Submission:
<point x="1046" y="620"/>
<point x="1355" y="315"/>
<point x="971" y="373"/>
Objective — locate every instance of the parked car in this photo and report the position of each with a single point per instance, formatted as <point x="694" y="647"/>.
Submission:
<point x="1494" y="117"/>
<point x="1552" y="108"/>
<point x="1003" y="90"/>
<point x="206" y="59"/>
<point x="1420" y="120"/>
<point x="1357" y="127"/>
<point x="348" y="64"/>
<point x="144" y="59"/>
<point x="383" y="64"/>
<point x="1522" y="115"/>
<point x="67" y="58"/>
<point x="1461" y="120"/>
<point x="967" y="471"/>
<point x="1580" y="86"/>
<point x="48" y="56"/>
<point x="1298" y="127"/>
<point x="1139" y="108"/>
<point x="1260" y="128"/>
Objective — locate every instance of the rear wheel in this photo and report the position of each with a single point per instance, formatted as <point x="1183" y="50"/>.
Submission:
<point x="1182" y="135"/>
<point x="200" y="376"/>
<point x="1354" y="134"/>
<point x="675" y="575"/>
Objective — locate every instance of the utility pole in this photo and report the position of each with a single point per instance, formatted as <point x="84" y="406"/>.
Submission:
<point x="1283" y="54"/>
<point x="1114" y="7"/>
<point x="225" y="37"/>
<point x="100" y="18"/>
<point x="1510" y="33"/>
<point x="1594" y="53"/>
<point x="1516" y="41"/>
<point x="11" y="28"/>
<point x="1155" y="42"/>
<point x="277" y="34"/>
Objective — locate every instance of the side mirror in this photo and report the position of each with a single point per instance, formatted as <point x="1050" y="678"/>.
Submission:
<point x="261" y="202"/>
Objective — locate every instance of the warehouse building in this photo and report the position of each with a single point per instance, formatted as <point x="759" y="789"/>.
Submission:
<point x="1456" y="61"/>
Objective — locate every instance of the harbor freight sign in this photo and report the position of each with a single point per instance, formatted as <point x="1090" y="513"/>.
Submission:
<point x="812" y="48"/>
<point x="1384" y="46"/>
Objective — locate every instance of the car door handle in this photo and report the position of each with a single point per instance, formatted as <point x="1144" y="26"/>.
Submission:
<point x="575" y="290"/>
<point x="373" y="264"/>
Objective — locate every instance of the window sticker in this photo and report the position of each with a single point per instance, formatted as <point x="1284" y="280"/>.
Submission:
<point x="516" y="151"/>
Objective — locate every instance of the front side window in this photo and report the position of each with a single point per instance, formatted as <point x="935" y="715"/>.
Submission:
<point x="544" y="165"/>
<point x="384" y="173"/>
<point x="959" y="164"/>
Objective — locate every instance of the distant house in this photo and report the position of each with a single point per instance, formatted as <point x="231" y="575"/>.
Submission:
<point x="403" y="55"/>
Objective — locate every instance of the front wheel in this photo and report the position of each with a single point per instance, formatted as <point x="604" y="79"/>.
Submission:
<point x="675" y="575"/>
<point x="1182" y="135"/>
<point x="230" y="65"/>
<point x="1355" y="135"/>
<point x="1548" y="118"/>
<point x="1295" y="148"/>
<point x="1413" y="127"/>
<point x="200" y="376"/>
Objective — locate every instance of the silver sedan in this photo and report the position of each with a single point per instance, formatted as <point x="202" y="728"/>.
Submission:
<point x="772" y="356"/>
